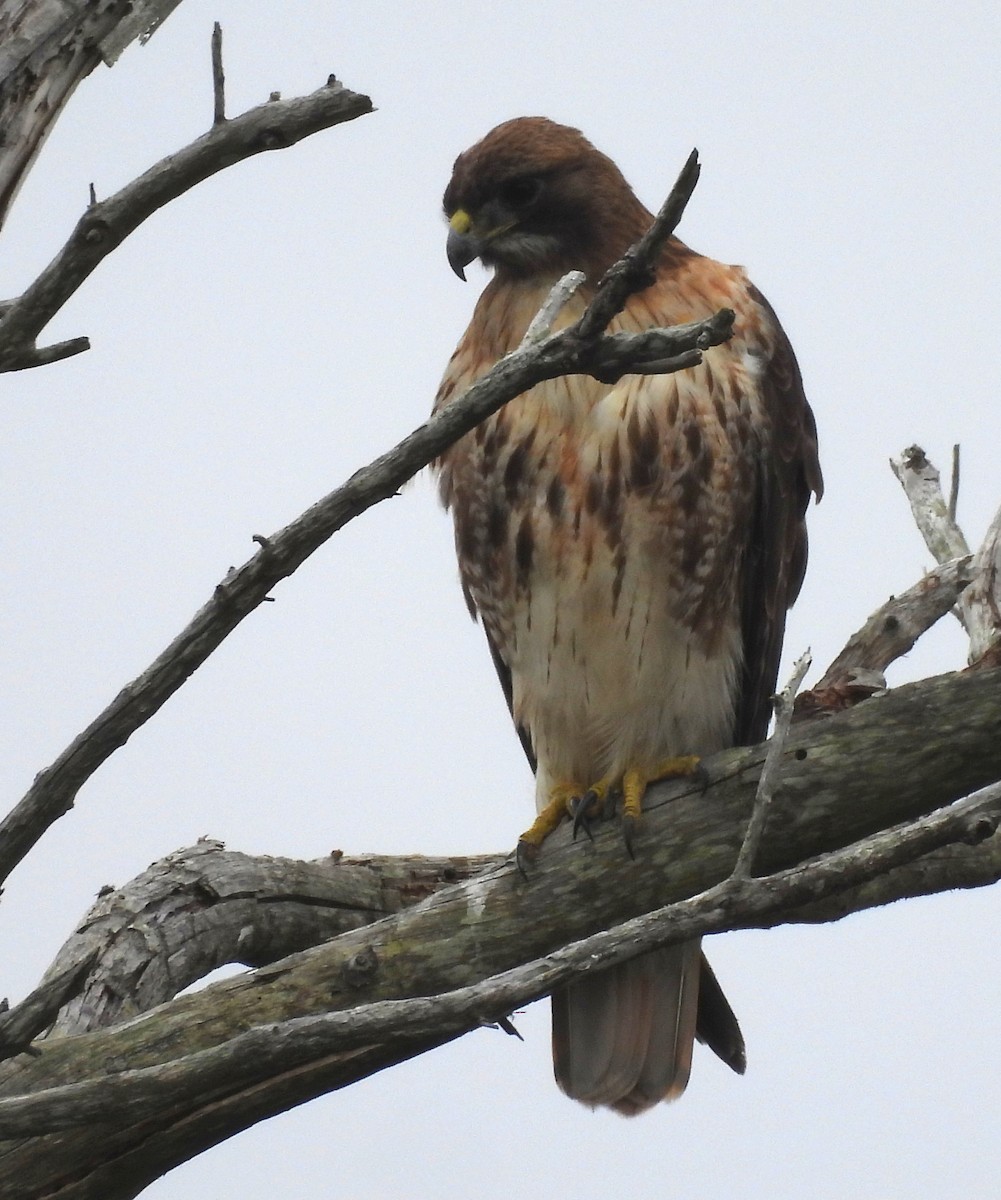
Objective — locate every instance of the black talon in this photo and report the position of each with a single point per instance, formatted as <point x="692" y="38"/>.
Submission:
<point x="579" y="809"/>
<point x="507" y="1025"/>
<point x="525" y="855"/>
<point x="628" y="834"/>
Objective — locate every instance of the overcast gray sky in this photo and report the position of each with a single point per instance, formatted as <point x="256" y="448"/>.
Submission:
<point x="279" y="326"/>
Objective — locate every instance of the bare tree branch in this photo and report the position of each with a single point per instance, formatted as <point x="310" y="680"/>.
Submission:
<point x="954" y="484"/>
<point x="563" y="353"/>
<point x="979" y="607"/>
<point x="895" y="626"/>
<point x="20" y="1025"/>
<point x="104" y="226"/>
<point x="636" y="269"/>
<point x="923" y="486"/>
<point x="203" y="907"/>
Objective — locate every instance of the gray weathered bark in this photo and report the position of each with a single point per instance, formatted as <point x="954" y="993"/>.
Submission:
<point x="189" y="1074"/>
<point x="46" y="48"/>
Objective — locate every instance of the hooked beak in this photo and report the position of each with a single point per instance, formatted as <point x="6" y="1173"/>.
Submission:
<point x="462" y="245"/>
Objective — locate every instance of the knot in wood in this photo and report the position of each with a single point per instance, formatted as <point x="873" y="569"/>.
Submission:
<point x="273" y="139"/>
<point x="980" y="828"/>
<point x="93" y="231"/>
<point x="360" y="967"/>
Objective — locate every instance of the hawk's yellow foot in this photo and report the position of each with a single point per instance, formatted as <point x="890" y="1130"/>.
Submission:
<point x="565" y="799"/>
<point x="636" y="781"/>
<point x="555" y="809"/>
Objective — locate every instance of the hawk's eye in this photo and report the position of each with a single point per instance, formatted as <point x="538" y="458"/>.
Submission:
<point x="520" y="192"/>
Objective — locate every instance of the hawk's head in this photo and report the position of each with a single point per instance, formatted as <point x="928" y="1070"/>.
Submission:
<point x="535" y="197"/>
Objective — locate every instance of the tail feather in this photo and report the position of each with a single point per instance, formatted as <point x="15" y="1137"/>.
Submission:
<point x="717" y="1026"/>
<point x="623" y="1038"/>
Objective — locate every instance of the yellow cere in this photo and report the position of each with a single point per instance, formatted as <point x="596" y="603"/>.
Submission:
<point x="461" y="221"/>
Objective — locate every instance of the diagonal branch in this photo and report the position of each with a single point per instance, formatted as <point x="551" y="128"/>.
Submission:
<point x="895" y="626"/>
<point x="20" y="1025"/>
<point x="563" y="353"/>
<point x="104" y="226"/>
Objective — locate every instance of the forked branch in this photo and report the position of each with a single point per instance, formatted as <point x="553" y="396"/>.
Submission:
<point x="273" y="125"/>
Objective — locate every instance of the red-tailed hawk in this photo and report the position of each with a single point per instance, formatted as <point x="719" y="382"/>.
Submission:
<point x="631" y="549"/>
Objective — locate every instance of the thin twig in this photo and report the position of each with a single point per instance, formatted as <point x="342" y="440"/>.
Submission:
<point x="218" y="78"/>
<point x="770" y="771"/>
<point x="954" y="484"/>
<point x="637" y="267"/>
<point x="254" y="1055"/>
<point x="542" y="323"/>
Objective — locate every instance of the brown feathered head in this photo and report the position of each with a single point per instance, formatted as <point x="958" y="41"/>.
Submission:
<point x="536" y="197"/>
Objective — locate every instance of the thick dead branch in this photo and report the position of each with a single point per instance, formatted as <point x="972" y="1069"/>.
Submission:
<point x="843" y="779"/>
<point x="274" y="125"/>
<point x="739" y="902"/>
<point x="46" y="48"/>
<point x="243" y="589"/>
<point x="206" y="906"/>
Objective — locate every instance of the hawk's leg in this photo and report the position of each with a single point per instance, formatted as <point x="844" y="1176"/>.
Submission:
<point x="636" y="781"/>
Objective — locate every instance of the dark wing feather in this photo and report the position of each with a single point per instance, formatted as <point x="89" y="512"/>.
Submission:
<point x="775" y="558"/>
<point x="504" y="675"/>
